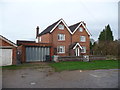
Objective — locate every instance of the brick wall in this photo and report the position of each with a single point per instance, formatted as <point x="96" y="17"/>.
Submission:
<point x="76" y="38"/>
<point x="46" y="38"/>
<point x="65" y="43"/>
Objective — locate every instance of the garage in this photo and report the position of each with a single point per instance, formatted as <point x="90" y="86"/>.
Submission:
<point x="37" y="53"/>
<point x="7" y="52"/>
<point x="6" y="57"/>
<point x="30" y="51"/>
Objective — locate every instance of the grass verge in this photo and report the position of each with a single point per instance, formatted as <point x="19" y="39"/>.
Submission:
<point x="77" y="65"/>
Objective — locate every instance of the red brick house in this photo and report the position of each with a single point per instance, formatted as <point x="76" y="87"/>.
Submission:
<point x="66" y="40"/>
<point x="8" y="51"/>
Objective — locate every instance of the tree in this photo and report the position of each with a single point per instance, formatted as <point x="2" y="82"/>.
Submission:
<point x="106" y="34"/>
<point x="106" y="45"/>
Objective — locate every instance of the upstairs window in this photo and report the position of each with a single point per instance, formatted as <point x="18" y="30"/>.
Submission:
<point x="82" y="38"/>
<point x="83" y="50"/>
<point x="61" y="49"/>
<point x="80" y="29"/>
<point x="61" y="37"/>
<point x="61" y="27"/>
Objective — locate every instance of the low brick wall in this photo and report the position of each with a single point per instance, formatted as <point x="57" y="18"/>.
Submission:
<point x="80" y="58"/>
<point x="97" y="57"/>
<point x="70" y="58"/>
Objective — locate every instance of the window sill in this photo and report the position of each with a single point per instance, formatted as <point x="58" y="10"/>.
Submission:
<point x="61" y="40"/>
<point x="61" y="53"/>
<point x="82" y="41"/>
<point x="83" y="52"/>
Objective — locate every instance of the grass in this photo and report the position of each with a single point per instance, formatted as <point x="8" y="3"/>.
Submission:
<point x="69" y="65"/>
<point x="77" y="65"/>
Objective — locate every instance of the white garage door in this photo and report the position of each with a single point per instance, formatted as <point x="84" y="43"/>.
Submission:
<point x="6" y="56"/>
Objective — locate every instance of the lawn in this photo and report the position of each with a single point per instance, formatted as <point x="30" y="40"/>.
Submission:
<point x="77" y="65"/>
<point x="69" y="65"/>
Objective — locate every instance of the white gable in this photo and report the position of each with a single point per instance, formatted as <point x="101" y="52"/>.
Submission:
<point x="83" y="26"/>
<point x="77" y="44"/>
<point x="58" y="24"/>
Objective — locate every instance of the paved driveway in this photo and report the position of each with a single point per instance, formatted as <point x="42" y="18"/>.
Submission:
<point x="46" y="78"/>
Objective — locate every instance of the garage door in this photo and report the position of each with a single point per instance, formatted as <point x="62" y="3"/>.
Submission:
<point x="37" y="53"/>
<point x="6" y="55"/>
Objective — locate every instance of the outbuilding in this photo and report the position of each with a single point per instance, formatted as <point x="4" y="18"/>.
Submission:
<point x="7" y="52"/>
<point x="30" y="51"/>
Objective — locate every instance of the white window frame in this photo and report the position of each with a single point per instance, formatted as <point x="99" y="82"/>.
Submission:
<point x="83" y="49"/>
<point x="61" y="26"/>
<point x="62" y="49"/>
<point x="82" y="38"/>
<point x="61" y="37"/>
<point x="81" y="29"/>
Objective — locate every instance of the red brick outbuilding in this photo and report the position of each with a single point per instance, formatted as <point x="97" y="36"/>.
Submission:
<point x="8" y="51"/>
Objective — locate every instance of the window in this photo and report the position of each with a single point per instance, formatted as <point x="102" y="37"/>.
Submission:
<point x="82" y="38"/>
<point x="80" y="29"/>
<point x="83" y="50"/>
<point x="61" y="49"/>
<point x="61" y="27"/>
<point x="61" y="37"/>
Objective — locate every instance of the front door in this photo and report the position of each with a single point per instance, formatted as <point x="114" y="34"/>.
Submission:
<point x="77" y="51"/>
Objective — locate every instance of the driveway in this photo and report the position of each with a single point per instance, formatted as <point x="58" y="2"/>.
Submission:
<point x="45" y="77"/>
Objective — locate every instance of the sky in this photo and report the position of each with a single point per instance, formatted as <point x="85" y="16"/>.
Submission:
<point x="19" y="18"/>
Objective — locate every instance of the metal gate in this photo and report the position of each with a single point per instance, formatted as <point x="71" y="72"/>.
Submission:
<point x="37" y="53"/>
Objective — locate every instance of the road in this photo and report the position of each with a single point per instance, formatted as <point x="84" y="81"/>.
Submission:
<point x="47" y="78"/>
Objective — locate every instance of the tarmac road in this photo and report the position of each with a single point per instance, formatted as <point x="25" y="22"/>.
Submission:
<point x="47" y="78"/>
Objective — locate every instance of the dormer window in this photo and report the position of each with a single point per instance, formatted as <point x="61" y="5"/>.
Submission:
<point x="80" y="29"/>
<point x="61" y="27"/>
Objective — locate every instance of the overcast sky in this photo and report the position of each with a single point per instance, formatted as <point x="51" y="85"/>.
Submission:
<point x="19" y="18"/>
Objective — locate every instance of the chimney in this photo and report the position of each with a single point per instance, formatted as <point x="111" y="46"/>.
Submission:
<point x="37" y="31"/>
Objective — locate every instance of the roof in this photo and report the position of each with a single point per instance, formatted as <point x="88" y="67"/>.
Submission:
<point x="74" y="45"/>
<point x="24" y="41"/>
<point x="8" y="41"/>
<point x="32" y="43"/>
<point x="49" y="28"/>
<point x="83" y="24"/>
<point x="71" y="28"/>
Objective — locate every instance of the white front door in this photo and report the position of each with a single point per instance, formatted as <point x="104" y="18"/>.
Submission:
<point x="77" y="51"/>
